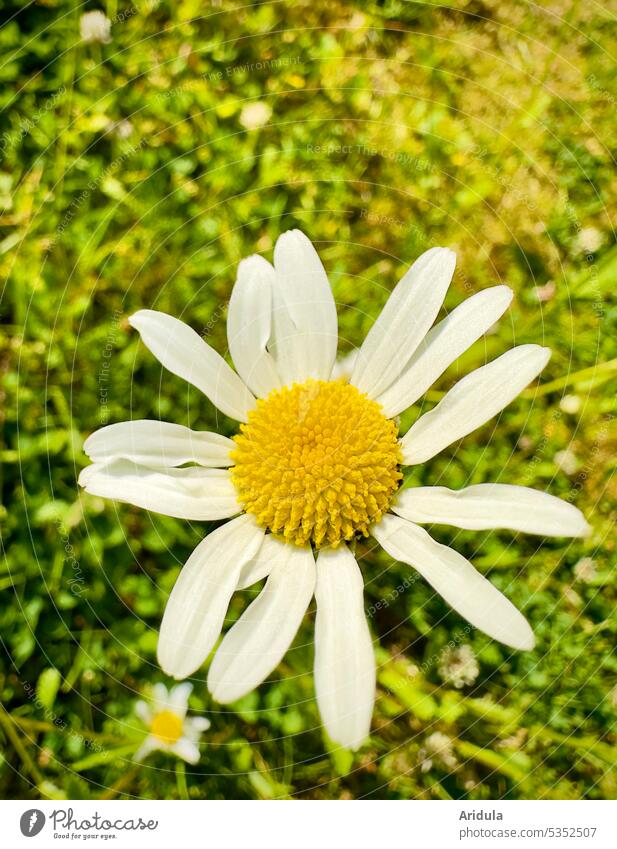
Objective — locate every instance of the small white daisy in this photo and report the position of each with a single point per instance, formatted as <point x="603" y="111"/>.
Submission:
<point x="316" y="465"/>
<point x="170" y="729"/>
<point x="95" y="27"/>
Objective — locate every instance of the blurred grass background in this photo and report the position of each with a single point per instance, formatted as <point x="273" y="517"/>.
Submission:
<point x="136" y="174"/>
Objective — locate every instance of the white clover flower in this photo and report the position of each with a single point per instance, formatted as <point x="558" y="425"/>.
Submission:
<point x="566" y="461"/>
<point x="585" y="570"/>
<point x="570" y="404"/>
<point x="546" y="292"/>
<point x="123" y="129"/>
<point x="458" y="666"/>
<point x="316" y="465"/>
<point x="437" y="750"/>
<point x="590" y="239"/>
<point x="170" y="729"/>
<point x="255" y="115"/>
<point x="95" y="26"/>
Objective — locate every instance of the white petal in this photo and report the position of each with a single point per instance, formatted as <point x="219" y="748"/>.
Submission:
<point x="344" y="657"/>
<point x="257" y="642"/>
<point x="179" y="699"/>
<point x="196" y="725"/>
<point x="344" y="366"/>
<point x="154" y="443"/>
<point x="150" y="744"/>
<point x="143" y="711"/>
<point x="184" y="353"/>
<point x="473" y="401"/>
<point x="443" y="345"/>
<point x="404" y="321"/>
<point x="492" y="505"/>
<point x="456" y="580"/>
<point x="160" y="697"/>
<point x="271" y="553"/>
<point x="249" y="320"/>
<point x="185" y="749"/>
<point x="305" y="326"/>
<point x="197" y="605"/>
<point x="191" y="493"/>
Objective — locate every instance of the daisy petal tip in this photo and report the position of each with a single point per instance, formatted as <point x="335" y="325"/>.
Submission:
<point x="142" y="319"/>
<point x="356" y="743"/>
<point x="544" y="355"/>
<point x="506" y="292"/>
<point x="351" y="742"/>
<point x="585" y="529"/>
<point x="253" y="264"/>
<point x="524" y="639"/>
<point x="294" y="235"/>
<point x="85" y="476"/>
<point x="528" y="643"/>
<point x="450" y="254"/>
<point x="222" y="691"/>
<point x="538" y="354"/>
<point x="136" y="320"/>
<point x="290" y="246"/>
<point x="171" y="664"/>
<point x="445" y="256"/>
<point x="220" y="694"/>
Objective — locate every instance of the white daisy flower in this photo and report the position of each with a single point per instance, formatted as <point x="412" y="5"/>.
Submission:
<point x="95" y="26"/>
<point x="170" y="729"/>
<point x="315" y="465"/>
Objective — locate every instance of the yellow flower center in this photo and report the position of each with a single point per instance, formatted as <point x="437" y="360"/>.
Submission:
<point x="317" y="462"/>
<point x="166" y="726"/>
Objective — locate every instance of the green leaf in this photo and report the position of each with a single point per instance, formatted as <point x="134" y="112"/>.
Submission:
<point x="47" y="687"/>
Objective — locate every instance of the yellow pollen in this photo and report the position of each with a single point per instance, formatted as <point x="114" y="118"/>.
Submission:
<point x="166" y="726"/>
<point x="317" y="462"/>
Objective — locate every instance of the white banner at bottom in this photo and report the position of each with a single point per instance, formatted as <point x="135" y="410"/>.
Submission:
<point x="315" y="824"/>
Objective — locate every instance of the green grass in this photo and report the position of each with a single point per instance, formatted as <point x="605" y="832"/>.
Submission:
<point x="395" y="126"/>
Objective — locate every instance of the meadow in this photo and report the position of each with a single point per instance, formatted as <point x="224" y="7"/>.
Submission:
<point x="136" y="171"/>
